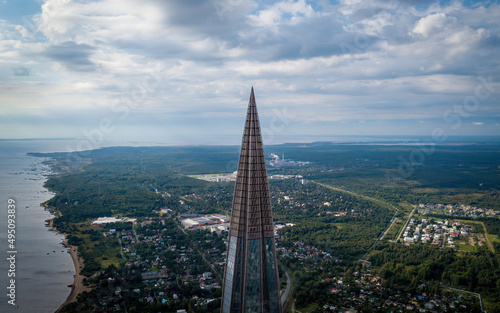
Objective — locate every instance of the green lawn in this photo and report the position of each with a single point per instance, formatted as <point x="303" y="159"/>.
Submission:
<point x="339" y="225"/>
<point x="492" y="239"/>
<point x="114" y="261"/>
<point x="467" y="247"/>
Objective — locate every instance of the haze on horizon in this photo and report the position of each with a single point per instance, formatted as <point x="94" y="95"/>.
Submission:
<point x="163" y="71"/>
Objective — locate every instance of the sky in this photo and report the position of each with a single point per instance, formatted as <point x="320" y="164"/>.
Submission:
<point x="180" y="71"/>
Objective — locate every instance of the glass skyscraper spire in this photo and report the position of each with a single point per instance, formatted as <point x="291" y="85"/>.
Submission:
<point x="251" y="281"/>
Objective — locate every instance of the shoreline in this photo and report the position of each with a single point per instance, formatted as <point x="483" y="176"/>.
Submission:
<point x="77" y="287"/>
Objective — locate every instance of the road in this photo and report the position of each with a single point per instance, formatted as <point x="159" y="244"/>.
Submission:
<point x="288" y="286"/>
<point x="120" y="242"/>
<point x="135" y="234"/>
<point x="388" y="227"/>
<point x="406" y="224"/>
<point x="287" y="296"/>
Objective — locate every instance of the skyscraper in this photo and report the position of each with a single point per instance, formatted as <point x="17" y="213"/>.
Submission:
<point x="251" y="275"/>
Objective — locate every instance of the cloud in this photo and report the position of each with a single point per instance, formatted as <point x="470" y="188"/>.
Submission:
<point x="24" y="32"/>
<point x="21" y="71"/>
<point x="72" y="56"/>
<point x="446" y="32"/>
<point x="434" y="23"/>
<point x="286" y="12"/>
<point x="324" y="62"/>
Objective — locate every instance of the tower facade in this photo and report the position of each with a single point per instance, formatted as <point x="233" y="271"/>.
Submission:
<point x="251" y="281"/>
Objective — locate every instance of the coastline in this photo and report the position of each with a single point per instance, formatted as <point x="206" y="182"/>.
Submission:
<point x="78" y="262"/>
<point x="77" y="287"/>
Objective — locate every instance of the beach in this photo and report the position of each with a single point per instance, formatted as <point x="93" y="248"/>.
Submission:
<point x="77" y="287"/>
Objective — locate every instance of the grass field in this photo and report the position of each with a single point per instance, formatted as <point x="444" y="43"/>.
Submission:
<point x="114" y="261"/>
<point x="467" y="248"/>
<point x="425" y="190"/>
<point x="492" y="239"/>
<point x="393" y="232"/>
<point x="339" y="225"/>
<point x="406" y="206"/>
<point x="311" y="307"/>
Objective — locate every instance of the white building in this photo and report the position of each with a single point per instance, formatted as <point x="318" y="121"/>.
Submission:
<point x="106" y="220"/>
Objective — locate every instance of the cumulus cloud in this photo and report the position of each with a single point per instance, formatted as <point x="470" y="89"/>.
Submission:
<point x="434" y="23"/>
<point x="286" y="12"/>
<point x="326" y="62"/>
<point x="446" y="32"/>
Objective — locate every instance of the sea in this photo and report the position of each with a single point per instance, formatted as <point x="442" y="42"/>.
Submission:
<point x="42" y="266"/>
